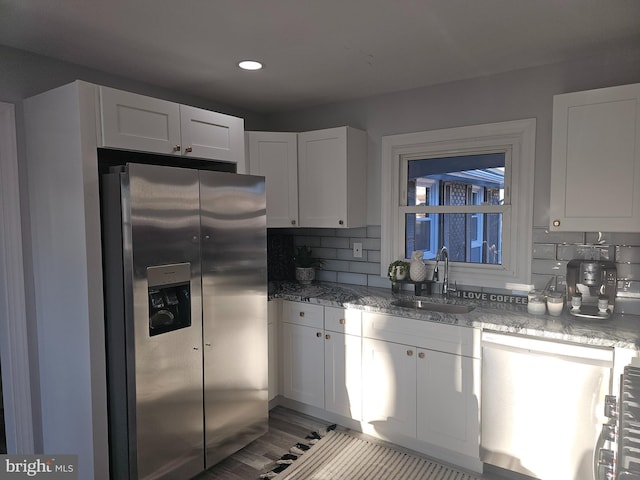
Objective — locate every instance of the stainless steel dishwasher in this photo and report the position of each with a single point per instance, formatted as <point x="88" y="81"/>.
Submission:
<point x="542" y="405"/>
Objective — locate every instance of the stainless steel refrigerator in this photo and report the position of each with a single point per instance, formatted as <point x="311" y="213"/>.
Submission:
<point x="186" y="301"/>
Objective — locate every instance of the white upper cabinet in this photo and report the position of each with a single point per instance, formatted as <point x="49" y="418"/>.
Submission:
<point x="207" y="134"/>
<point x="595" y="166"/>
<point x="135" y="122"/>
<point x="274" y="155"/>
<point x="332" y="186"/>
<point x="314" y="179"/>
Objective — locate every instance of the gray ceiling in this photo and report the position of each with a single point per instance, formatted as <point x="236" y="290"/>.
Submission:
<point x="315" y="51"/>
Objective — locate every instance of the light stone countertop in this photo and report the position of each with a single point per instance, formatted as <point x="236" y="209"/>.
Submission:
<point x="617" y="331"/>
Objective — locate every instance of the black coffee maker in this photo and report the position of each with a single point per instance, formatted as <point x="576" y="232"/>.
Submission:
<point x="591" y="288"/>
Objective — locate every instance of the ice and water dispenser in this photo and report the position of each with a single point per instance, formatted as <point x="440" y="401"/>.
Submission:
<point x="169" y="297"/>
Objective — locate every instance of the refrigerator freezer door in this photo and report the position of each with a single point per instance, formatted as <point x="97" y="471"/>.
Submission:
<point x="162" y="228"/>
<point x="234" y="290"/>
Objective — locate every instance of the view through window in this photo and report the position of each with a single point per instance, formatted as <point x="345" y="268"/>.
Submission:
<point x="435" y="187"/>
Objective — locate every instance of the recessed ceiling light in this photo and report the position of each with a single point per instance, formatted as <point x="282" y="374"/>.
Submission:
<point x="250" y="65"/>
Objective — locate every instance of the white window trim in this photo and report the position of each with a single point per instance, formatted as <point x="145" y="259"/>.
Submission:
<point x="518" y="137"/>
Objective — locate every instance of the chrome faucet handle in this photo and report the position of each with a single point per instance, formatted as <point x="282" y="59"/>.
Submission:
<point x="453" y="289"/>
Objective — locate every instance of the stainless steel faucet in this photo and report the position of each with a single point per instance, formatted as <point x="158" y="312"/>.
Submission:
<point x="444" y="253"/>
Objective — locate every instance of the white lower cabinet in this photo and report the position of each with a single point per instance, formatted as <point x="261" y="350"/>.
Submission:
<point x="322" y="363"/>
<point x="343" y="362"/>
<point x="303" y="351"/>
<point x="388" y="388"/>
<point x="421" y="381"/>
<point x="412" y="382"/>
<point x="448" y="392"/>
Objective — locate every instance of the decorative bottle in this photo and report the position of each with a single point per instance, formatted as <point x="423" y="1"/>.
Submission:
<point x="417" y="268"/>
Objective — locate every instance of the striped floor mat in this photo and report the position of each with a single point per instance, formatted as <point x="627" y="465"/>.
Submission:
<point x="342" y="457"/>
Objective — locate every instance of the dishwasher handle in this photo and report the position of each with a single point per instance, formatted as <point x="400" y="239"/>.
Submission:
<point x="602" y="356"/>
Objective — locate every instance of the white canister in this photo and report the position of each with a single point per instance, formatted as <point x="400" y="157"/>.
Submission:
<point x="555" y="302"/>
<point x="536" y="303"/>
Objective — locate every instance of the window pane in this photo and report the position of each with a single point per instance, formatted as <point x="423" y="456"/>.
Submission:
<point x="463" y="180"/>
<point x="421" y="234"/>
<point x="471" y="237"/>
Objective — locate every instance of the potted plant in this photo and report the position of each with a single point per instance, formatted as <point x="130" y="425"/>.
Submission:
<point x="397" y="271"/>
<point x="306" y="265"/>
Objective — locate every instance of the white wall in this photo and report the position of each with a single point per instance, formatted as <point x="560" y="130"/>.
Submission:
<point x="509" y="96"/>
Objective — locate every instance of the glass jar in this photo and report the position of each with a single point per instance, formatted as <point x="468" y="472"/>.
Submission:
<point x="536" y="302"/>
<point x="555" y="302"/>
<point x="576" y="301"/>
<point x="603" y="303"/>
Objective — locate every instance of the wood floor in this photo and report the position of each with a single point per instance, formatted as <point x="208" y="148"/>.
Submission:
<point x="286" y="428"/>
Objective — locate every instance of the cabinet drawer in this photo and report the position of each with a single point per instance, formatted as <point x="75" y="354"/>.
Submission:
<point x="302" y="313"/>
<point x="343" y="320"/>
<point x="424" y="334"/>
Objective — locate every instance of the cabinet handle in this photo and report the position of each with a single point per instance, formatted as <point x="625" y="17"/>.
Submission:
<point x="195" y="348"/>
<point x="301" y="314"/>
<point x="189" y="149"/>
<point x="410" y="353"/>
<point x="176" y="148"/>
<point x="293" y="222"/>
<point x="340" y="222"/>
<point x="318" y="334"/>
<point x="556" y="223"/>
<point x="327" y="336"/>
<point x="342" y="321"/>
<point x="208" y="344"/>
<point x="421" y="355"/>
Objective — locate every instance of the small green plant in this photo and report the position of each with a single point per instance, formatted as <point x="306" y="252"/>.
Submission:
<point x="304" y="258"/>
<point x="398" y="268"/>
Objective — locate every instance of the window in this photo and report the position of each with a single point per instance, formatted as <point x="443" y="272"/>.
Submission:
<point x="468" y="188"/>
<point x="472" y="181"/>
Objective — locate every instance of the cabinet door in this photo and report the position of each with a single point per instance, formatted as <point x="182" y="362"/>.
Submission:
<point x="389" y="388"/>
<point x="212" y="135"/>
<point x="136" y="122"/>
<point x="303" y="364"/>
<point x="322" y="178"/>
<point x="343" y="374"/>
<point x="448" y="401"/>
<point x="595" y="167"/>
<point x="274" y="155"/>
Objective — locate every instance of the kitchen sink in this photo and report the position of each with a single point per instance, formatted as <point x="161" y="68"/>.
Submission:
<point x="434" y="307"/>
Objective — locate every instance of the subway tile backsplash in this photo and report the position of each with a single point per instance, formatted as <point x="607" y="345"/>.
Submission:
<point x="627" y="254"/>
<point x="335" y="247"/>
<point x="550" y="254"/>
